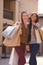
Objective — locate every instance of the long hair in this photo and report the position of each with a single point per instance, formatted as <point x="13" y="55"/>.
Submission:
<point x="30" y="26"/>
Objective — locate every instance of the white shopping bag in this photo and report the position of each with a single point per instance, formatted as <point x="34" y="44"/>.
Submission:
<point x="10" y="31"/>
<point x="14" y="57"/>
<point x="38" y="38"/>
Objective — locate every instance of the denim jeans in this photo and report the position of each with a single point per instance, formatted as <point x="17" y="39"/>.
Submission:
<point x="33" y="51"/>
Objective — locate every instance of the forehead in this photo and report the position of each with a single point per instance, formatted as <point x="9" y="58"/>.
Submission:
<point x="25" y="14"/>
<point x="34" y="15"/>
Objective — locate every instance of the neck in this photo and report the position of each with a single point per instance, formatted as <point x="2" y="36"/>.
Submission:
<point x="25" y="24"/>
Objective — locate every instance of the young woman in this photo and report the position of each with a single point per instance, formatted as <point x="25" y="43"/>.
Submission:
<point x="34" y="45"/>
<point x="21" y="49"/>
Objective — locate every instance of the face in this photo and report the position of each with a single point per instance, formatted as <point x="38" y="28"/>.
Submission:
<point x="25" y="17"/>
<point x="33" y="18"/>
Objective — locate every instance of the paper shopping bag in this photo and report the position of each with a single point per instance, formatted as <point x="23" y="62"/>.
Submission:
<point x="41" y="33"/>
<point x="11" y="42"/>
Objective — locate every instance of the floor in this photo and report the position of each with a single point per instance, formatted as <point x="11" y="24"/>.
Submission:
<point x="6" y="61"/>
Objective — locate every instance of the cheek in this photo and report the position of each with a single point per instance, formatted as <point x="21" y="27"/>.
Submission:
<point x="33" y="22"/>
<point x="23" y="18"/>
<point x="34" y="19"/>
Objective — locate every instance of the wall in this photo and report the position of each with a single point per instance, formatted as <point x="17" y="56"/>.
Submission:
<point x="12" y="8"/>
<point x="23" y="5"/>
<point x="29" y="5"/>
<point x="11" y="22"/>
<point x="41" y="21"/>
<point x="1" y="23"/>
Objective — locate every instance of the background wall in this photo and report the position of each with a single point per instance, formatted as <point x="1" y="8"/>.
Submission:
<point x="41" y="21"/>
<point x="12" y="8"/>
<point x="1" y="23"/>
<point x="29" y="5"/>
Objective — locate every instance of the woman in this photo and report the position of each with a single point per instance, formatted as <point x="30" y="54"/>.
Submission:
<point x="21" y="49"/>
<point x="34" y="45"/>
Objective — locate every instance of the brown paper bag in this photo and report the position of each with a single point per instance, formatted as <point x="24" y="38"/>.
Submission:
<point x="41" y="34"/>
<point x="11" y="42"/>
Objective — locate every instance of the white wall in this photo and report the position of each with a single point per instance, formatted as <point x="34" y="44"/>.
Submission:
<point x="29" y="5"/>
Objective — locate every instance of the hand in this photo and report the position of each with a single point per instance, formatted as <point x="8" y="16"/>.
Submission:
<point x="27" y="48"/>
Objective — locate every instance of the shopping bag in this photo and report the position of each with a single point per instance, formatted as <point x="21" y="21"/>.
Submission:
<point x="13" y="57"/>
<point x="11" y="30"/>
<point x="41" y="34"/>
<point x="11" y="42"/>
<point x="38" y="38"/>
<point x="14" y="41"/>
